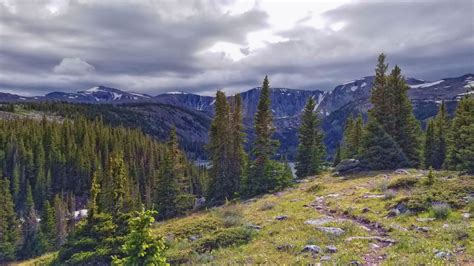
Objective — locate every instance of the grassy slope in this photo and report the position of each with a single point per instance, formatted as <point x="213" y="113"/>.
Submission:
<point x="342" y="199"/>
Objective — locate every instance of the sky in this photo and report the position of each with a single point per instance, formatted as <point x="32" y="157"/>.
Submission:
<point x="199" y="46"/>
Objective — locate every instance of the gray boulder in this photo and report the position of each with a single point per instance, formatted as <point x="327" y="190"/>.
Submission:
<point x="348" y="166"/>
<point x="331" y="230"/>
<point x="312" y="249"/>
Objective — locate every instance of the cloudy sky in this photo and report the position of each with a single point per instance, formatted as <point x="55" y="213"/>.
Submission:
<point x="155" y="46"/>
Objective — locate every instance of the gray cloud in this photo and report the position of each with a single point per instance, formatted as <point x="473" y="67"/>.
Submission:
<point x="157" y="46"/>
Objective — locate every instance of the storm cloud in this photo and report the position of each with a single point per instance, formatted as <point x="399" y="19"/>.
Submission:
<point x="157" y="46"/>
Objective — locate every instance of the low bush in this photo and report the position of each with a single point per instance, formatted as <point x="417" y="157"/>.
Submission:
<point x="389" y="194"/>
<point x="225" y="238"/>
<point x="441" y="210"/>
<point x="230" y="215"/>
<point x="315" y="188"/>
<point x="403" y="182"/>
<point x="452" y="192"/>
<point x="183" y="229"/>
<point x="267" y="205"/>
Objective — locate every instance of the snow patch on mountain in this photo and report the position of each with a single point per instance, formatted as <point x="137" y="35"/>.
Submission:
<point x="425" y="85"/>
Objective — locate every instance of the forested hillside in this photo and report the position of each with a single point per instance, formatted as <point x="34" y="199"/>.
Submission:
<point x="48" y="167"/>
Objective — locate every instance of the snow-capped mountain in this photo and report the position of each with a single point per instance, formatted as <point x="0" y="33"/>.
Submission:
<point x="99" y="94"/>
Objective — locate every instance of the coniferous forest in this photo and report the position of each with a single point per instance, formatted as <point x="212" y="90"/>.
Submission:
<point x="90" y="190"/>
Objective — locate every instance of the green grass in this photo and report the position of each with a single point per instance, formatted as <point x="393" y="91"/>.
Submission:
<point x="349" y="196"/>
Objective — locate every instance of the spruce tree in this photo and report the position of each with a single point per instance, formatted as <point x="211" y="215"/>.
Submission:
<point x="60" y="218"/>
<point x="141" y="247"/>
<point x="441" y="130"/>
<point x="379" y="95"/>
<point x="167" y="188"/>
<point x="379" y="150"/>
<point x="461" y="138"/>
<point x="221" y="186"/>
<point x="429" y="147"/>
<point x="9" y="230"/>
<point x="48" y="225"/>
<point x="405" y="129"/>
<point x="262" y="175"/>
<point x="238" y="157"/>
<point x="352" y="137"/>
<point x="310" y="153"/>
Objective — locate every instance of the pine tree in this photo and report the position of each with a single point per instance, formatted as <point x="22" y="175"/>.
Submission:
<point x="405" y="129"/>
<point x="9" y="230"/>
<point x="379" y="95"/>
<point x="167" y="188"/>
<point x="34" y="243"/>
<point x="141" y="247"/>
<point x="48" y="225"/>
<point x="221" y="186"/>
<point x="238" y="157"/>
<point x="116" y="198"/>
<point x="441" y="129"/>
<point x="352" y="137"/>
<point x="310" y="153"/>
<point x="461" y="138"/>
<point x="429" y="148"/>
<point x="264" y="129"/>
<point x="60" y="221"/>
<point x="379" y="150"/>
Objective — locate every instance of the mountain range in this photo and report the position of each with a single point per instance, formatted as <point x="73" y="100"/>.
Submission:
<point x="334" y="106"/>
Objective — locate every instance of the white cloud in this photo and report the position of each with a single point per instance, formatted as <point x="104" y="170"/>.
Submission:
<point x="73" y="66"/>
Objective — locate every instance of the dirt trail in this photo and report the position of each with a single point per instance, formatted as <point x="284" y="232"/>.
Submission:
<point x="379" y="235"/>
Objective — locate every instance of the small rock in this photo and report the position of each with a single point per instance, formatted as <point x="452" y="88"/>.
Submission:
<point x="333" y="195"/>
<point x="199" y="202"/>
<point x="312" y="249"/>
<point x="281" y="217"/>
<point x="372" y="196"/>
<point x="378" y="238"/>
<point x="193" y="238"/>
<point x="347" y="165"/>
<point x="425" y="219"/>
<point x="393" y="212"/>
<point x="422" y="229"/>
<point x="445" y="226"/>
<point x="355" y="263"/>
<point x="320" y="221"/>
<point x="365" y="210"/>
<point x="402" y="172"/>
<point x="331" y="230"/>
<point x="442" y="254"/>
<point x="331" y="249"/>
<point x="374" y="246"/>
<point x="254" y="227"/>
<point x="285" y="247"/>
<point x="398" y="227"/>
<point x="466" y="215"/>
<point x="325" y="258"/>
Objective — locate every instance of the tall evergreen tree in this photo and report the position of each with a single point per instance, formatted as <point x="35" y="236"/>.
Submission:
<point x="429" y="147"/>
<point x="48" y="225"/>
<point x="461" y="138"/>
<point x="60" y="213"/>
<point x="405" y="129"/>
<point x="238" y="157"/>
<point x="167" y="188"/>
<point x="441" y="129"/>
<point x="352" y="137"/>
<point x="310" y="153"/>
<point x="379" y="150"/>
<point x="221" y="186"/>
<point x="9" y="230"/>
<point x="392" y="110"/>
